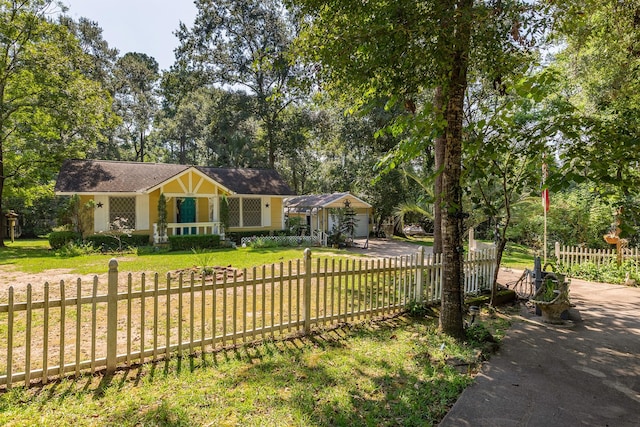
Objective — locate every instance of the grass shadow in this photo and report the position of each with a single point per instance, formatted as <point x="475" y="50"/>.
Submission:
<point x="372" y="373"/>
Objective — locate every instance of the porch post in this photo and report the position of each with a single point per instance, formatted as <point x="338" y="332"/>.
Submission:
<point x="215" y="209"/>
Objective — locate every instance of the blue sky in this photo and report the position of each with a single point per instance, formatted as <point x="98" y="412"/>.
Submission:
<point x="144" y="26"/>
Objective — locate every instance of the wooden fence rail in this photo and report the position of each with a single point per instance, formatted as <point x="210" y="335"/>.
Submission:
<point x="62" y="329"/>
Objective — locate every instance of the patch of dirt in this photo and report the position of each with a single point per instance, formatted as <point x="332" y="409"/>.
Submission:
<point x="218" y="273"/>
<point x="19" y="280"/>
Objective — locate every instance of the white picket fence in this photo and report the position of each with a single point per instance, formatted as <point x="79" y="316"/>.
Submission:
<point x="61" y="329"/>
<point x="572" y="255"/>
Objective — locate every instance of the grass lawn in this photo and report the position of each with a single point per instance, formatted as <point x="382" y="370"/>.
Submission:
<point x="518" y="256"/>
<point x="35" y="256"/>
<point x="393" y="372"/>
<point x="417" y="240"/>
<point x="514" y="255"/>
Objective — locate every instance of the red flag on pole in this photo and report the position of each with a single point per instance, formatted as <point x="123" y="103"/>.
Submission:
<point x="545" y="191"/>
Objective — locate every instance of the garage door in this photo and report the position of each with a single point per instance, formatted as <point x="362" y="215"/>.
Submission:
<point x="362" y="225"/>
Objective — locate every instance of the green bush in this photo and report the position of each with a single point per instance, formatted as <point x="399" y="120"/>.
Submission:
<point x="577" y="216"/>
<point x="190" y="242"/>
<point x="107" y="242"/>
<point x="478" y="334"/>
<point x="73" y="249"/>
<point x="148" y="249"/>
<point x="59" y="239"/>
<point x="263" y="243"/>
<point x="603" y="273"/>
<point x="417" y="309"/>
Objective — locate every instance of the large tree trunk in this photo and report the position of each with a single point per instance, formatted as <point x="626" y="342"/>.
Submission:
<point x="451" y="313"/>
<point x="437" y="193"/>
<point x="2" y="177"/>
<point x="500" y="245"/>
<point x="2" y="142"/>
<point x="182" y="155"/>
<point x="272" y="146"/>
<point x="2" y="228"/>
<point x="142" y="141"/>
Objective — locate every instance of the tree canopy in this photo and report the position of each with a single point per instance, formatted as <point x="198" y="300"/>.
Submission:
<point x="405" y="51"/>
<point x="245" y="44"/>
<point x="49" y="108"/>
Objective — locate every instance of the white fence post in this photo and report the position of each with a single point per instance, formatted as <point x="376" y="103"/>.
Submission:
<point x="112" y="316"/>
<point x="420" y="275"/>
<point x="307" y="291"/>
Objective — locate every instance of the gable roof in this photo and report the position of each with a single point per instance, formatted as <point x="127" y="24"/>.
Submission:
<point x="334" y="200"/>
<point x="104" y="176"/>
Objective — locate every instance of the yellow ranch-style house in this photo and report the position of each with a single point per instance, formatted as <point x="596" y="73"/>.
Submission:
<point x="132" y="190"/>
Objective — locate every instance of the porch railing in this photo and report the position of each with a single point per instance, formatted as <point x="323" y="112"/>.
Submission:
<point x="188" y="228"/>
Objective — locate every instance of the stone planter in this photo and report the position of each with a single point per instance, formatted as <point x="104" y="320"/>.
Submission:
<point x="552" y="308"/>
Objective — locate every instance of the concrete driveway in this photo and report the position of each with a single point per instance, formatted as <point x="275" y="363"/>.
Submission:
<point x="584" y="375"/>
<point x="387" y="248"/>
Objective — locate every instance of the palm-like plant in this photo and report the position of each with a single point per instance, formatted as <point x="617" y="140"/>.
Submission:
<point x="421" y="203"/>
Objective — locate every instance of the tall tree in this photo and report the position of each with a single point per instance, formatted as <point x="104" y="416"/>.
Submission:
<point x="98" y="67"/>
<point x="601" y="62"/>
<point x="209" y="126"/>
<point x="49" y="109"/>
<point x="507" y="136"/>
<point x="136" y="79"/>
<point x="404" y="50"/>
<point x="298" y="161"/>
<point x="102" y="58"/>
<point x="245" y="44"/>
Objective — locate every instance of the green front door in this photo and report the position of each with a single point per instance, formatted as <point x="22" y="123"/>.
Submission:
<point x="187" y="213"/>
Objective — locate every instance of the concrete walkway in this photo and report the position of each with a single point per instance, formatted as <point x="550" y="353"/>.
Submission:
<point x="379" y="248"/>
<point x="584" y="375"/>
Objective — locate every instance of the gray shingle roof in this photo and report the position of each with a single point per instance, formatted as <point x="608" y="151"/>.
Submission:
<point x="313" y="200"/>
<point x="249" y="181"/>
<point x="323" y="201"/>
<point x="102" y="176"/>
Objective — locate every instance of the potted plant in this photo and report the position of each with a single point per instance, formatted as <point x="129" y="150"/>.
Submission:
<point x="552" y="298"/>
<point x="162" y="220"/>
<point x="335" y="238"/>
